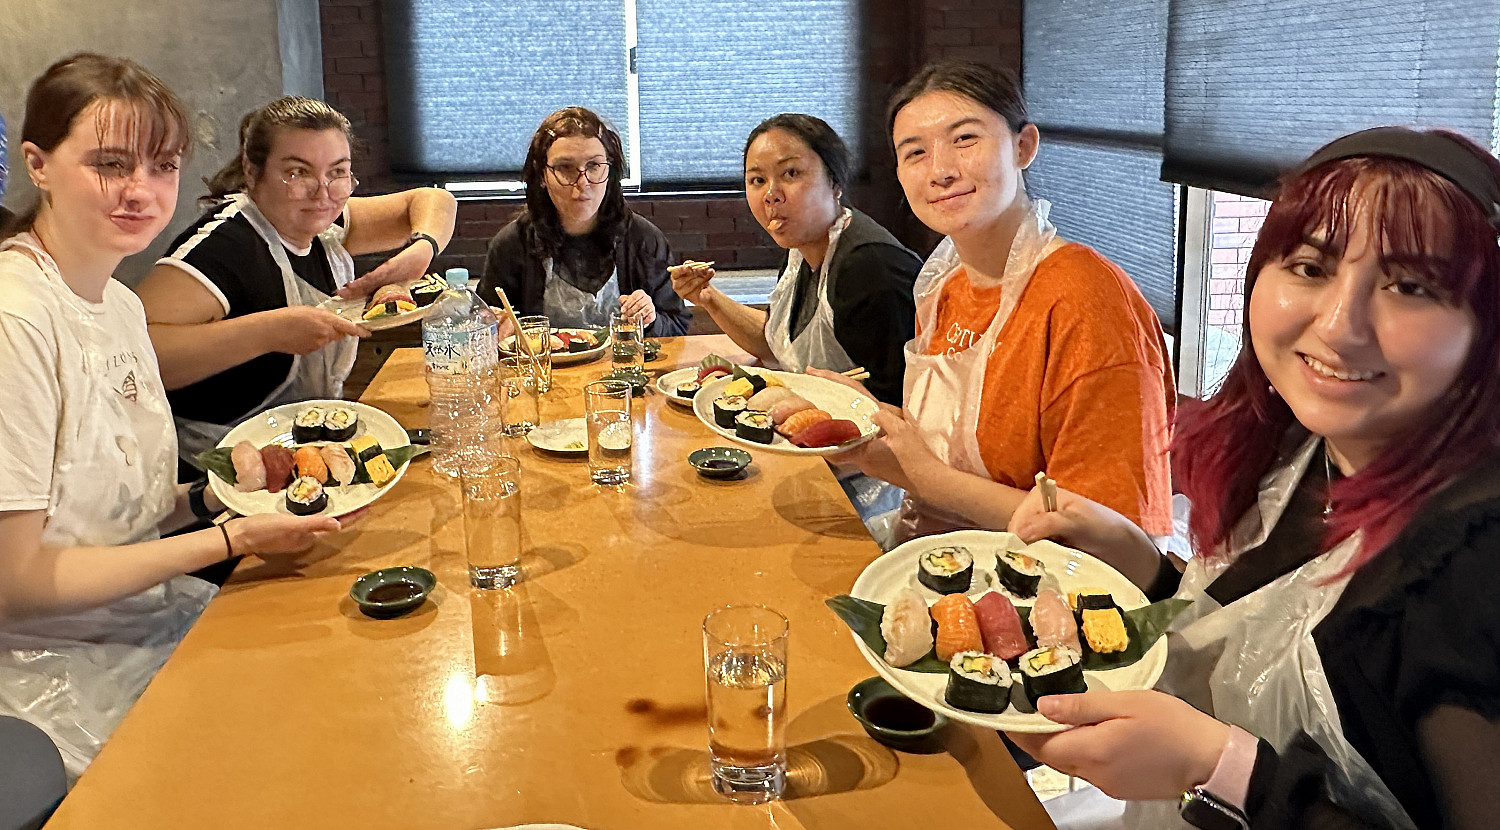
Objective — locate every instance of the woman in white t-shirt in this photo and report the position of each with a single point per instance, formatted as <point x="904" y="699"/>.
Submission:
<point x="91" y="598"/>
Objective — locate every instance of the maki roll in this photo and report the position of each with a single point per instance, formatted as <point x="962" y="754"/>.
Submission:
<point x="754" y="426"/>
<point x="1020" y="574"/>
<point x="978" y="682"/>
<point x="727" y="408"/>
<point x="689" y="389"/>
<point x="907" y="628"/>
<point x="340" y="424"/>
<point x="308" y="425"/>
<point x="428" y="289"/>
<point x="947" y="570"/>
<point x="306" y="496"/>
<point x="1051" y="671"/>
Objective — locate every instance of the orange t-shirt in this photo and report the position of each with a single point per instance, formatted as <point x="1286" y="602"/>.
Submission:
<point x="1079" y="386"/>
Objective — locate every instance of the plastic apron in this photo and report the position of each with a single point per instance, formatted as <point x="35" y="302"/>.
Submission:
<point x="816" y="345"/>
<point x="319" y="374"/>
<point x="568" y="306"/>
<point x="1254" y="664"/>
<point x="75" y="675"/>
<point x="943" y="392"/>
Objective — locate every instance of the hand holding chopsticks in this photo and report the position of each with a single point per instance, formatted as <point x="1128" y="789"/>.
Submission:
<point x="1049" y="492"/>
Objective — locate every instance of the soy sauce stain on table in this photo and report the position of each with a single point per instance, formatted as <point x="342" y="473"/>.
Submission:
<point x="667" y="715"/>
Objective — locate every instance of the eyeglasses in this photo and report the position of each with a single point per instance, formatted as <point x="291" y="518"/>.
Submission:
<point x="567" y="175"/>
<point x="301" y="185"/>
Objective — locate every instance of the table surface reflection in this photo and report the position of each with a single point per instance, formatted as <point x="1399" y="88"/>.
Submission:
<point x="577" y="697"/>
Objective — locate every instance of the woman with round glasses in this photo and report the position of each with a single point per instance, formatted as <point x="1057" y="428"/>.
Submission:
<point x="233" y="306"/>
<point x="578" y="253"/>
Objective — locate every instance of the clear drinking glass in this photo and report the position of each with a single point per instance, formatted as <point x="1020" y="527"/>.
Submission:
<point x="518" y="383"/>
<point x="744" y="659"/>
<point x="538" y="331"/>
<point x="611" y="428"/>
<point x="492" y="521"/>
<point x="627" y="343"/>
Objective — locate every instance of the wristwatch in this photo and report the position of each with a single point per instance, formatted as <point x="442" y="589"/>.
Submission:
<point x="1206" y="811"/>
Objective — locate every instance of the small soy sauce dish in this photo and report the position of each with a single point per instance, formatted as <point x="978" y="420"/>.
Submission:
<point x="391" y="592"/>
<point x="719" y="462"/>
<point x="894" y="719"/>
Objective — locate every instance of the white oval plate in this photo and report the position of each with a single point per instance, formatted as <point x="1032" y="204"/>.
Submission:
<point x="274" y="426"/>
<point x="835" y="398"/>
<point x="568" y="437"/>
<point x="353" y="310"/>
<point x="1067" y="569"/>
<point x="667" y="385"/>
<point x="562" y="358"/>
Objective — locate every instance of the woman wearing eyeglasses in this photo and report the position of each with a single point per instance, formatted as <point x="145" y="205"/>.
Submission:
<point x="232" y="307"/>
<point x="578" y="253"/>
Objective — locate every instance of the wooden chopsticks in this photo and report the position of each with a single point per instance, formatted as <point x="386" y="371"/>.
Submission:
<point x="1049" y="492"/>
<point x="522" y="341"/>
<point x="857" y="373"/>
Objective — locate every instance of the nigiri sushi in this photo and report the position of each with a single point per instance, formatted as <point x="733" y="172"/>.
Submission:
<point x="958" y="628"/>
<point x="787" y="407"/>
<point x="309" y="462"/>
<point x="278" y="462"/>
<point x="801" y="420"/>
<point x="826" y="433"/>
<point x="1000" y="626"/>
<point x="763" y="400"/>
<point x="907" y="628"/>
<point x="249" y="470"/>
<point x="1052" y="622"/>
<point x="340" y="465"/>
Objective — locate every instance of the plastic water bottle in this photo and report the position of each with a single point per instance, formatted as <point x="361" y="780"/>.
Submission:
<point x="460" y="346"/>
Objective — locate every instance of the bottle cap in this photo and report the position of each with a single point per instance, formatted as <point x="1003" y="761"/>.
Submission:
<point x="457" y="277"/>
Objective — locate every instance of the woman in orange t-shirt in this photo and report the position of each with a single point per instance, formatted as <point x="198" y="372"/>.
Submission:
<point x="1032" y="353"/>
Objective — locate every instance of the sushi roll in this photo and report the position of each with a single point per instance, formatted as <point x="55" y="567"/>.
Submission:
<point x="249" y="469"/>
<point x="754" y="426"/>
<point x="1020" y="574"/>
<point x="727" y="408"/>
<point x="1051" y="671"/>
<point x="689" y="389"/>
<point x="309" y="464"/>
<point x="906" y="627"/>
<point x="306" y="496"/>
<point x="308" y="425"/>
<point x="279" y="465"/>
<point x="802" y="420"/>
<point x="428" y="289"/>
<point x="1104" y="629"/>
<point x="340" y="424"/>
<point x="947" y="570"/>
<point x="341" y="467"/>
<point x="978" y="682"/>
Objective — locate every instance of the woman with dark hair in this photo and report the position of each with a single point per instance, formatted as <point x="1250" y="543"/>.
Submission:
<point x="844" y="297"/>
<point x="578" y="253"/>
<point x="1340" y="663"/>
<point x="1033" y="354"/>
<point x="233" y="306"/>
<point x="91" y="599"/>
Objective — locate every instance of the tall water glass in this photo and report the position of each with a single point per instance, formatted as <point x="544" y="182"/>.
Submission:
<point x="611" y="430"/>
<point x="518" y="394"/>
<point x="744" y="659"/>
<point x="538" y="331"/>
<point x="492" y="521"/>
<point x="627" y="343"/>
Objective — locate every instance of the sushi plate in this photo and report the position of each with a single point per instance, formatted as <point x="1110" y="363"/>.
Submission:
<point x="566" y="437"/>
<point x="353" y="310"/>
<point x="835" y="398"/>
<point x="667" y="385"/>
<point x="274" y="426"/>
<point x="1067" y="569"/>
<point x="508" y="345"/>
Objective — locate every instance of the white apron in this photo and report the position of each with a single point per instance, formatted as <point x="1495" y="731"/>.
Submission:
<point x="816" y="345"/>
<point x="319" y="374"/>
<point x="568" y="306"/>
<point x="75" y="675"/>
<point x="943" y="392"/>
<point x="1254" y="664"/>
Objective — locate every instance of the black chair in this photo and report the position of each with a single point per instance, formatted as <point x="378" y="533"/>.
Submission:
<point x="32" y="779"/>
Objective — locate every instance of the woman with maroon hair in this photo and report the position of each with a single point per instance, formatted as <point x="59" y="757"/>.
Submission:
<point x="1340" y="663"/>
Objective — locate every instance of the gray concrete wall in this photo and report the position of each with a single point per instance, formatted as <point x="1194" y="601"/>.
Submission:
<point x="223" y="57"/>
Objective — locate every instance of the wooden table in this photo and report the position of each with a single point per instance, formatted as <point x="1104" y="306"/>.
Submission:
<point x="577" y="697"/>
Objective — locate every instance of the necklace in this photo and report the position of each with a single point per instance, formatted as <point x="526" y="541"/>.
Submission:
<point x="1328" y="478"/>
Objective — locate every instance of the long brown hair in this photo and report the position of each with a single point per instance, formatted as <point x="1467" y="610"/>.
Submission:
<point x="157" y="124"/>
<point x="258" y="131"/>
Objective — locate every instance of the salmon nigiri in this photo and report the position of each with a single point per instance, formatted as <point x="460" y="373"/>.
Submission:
<point x="958" y="627"/>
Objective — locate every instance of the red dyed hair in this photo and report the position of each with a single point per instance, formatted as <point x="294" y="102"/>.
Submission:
<point x="1223" y="446"/>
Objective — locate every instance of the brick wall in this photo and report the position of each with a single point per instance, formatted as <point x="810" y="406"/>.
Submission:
<point x="1236" y="221"/>
<point x="898" y="35"/>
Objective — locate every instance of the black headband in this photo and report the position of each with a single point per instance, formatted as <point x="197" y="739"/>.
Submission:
<point x="1434" y="151"/>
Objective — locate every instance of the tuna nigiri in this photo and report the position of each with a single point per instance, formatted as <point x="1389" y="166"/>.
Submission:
<point x="958" y="628"/>
<point x="1053" y="623"/>
<point x="1000" y="626"/>
<point x="278" y="463"/>
<point x="340" y="465"/>
<point x="907" y="628"/>
<point x="826" y="433"/>
<point x="249" y="470"/>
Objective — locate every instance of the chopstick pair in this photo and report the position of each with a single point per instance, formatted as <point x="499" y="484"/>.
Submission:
<point x="522" y="342"/>
<point x="857" y="373"/>
<point x="1049" y="492"/>
<point x="693" y="263"/>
